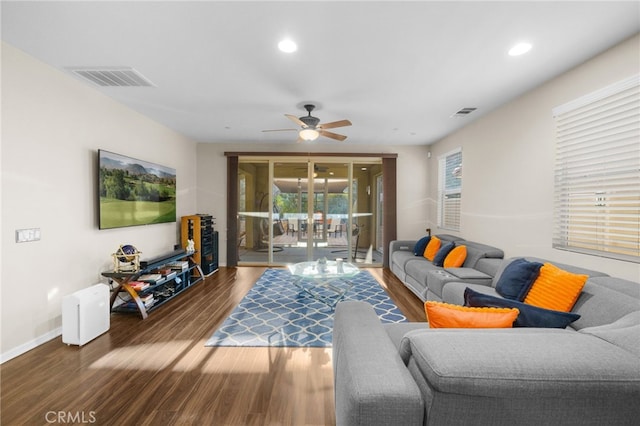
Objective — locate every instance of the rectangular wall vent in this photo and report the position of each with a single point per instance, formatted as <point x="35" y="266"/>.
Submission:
<point x="112" y="77"/>
<point x="464" y="112"/>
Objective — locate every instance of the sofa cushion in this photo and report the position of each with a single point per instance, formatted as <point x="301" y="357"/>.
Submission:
<point x="529" y="315"/>
<point x="400" y="258"/>
<point x="630" y="288"/>
<point x="418" y="269"/>
<point x="439" y="278"/>
<point x="453" y="292"/>
<point x="624" y="332"/>
<point x="488" y="265"/>
<point x="477" y="251"/>
<point x="469" y="274"/>
<point x="445" y="315"/>
<point x="432" y="248"/>
<point x="527" y="362"/>
<point x="442" y="253"/>
<point x="555" y="288"/>
<point x="418" y="249"/>
<point x="517" y="278"/>
<point x="456" y="257"/>
<point x="568" y="268"/>
<point x="600" y="304"/>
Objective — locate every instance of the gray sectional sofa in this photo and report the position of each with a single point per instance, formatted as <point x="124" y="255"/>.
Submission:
<point x="409" y="374"/>
<point x="425" y="279"/>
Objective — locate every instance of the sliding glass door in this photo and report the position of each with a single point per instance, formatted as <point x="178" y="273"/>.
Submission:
<point x="291" y="211"/>
<point x="290" y="199"/>
<point x="330" y="210"/>
<point x="254" y="234"/>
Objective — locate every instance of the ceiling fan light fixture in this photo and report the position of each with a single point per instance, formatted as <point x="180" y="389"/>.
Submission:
<point x="309" y="134"/>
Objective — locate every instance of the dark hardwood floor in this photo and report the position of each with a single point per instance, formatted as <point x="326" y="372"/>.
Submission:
<point x="158" y="371"/>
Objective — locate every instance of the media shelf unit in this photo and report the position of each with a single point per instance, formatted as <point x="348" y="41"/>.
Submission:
<point x="200" y="229"/>
<point x="165" y="288"/>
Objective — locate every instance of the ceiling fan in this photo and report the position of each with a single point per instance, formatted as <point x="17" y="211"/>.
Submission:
<point x="311" y="128"/>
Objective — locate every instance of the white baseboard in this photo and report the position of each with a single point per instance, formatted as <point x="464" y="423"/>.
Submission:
<point x="26" y="347"/>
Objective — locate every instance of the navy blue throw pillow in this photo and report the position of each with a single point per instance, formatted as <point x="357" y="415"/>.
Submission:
<point x="418" y="249"/>
<point x="517" y="278"/>
<point x="439" y="258"/>
<point x="529" y="316"/>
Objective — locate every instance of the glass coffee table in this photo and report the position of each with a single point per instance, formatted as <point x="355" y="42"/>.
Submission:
<point x="326" y="283"/>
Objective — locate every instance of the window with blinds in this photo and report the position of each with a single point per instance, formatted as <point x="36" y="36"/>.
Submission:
<point x="450" y="190"/>
<point x="597" y="173"/>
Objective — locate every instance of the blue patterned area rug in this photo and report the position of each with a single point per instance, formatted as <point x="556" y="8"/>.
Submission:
<point x="277" y="313"/>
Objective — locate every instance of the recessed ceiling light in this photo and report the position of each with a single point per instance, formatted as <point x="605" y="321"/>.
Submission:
<point x="520" y="49"/>
<point x="287" y="46"/>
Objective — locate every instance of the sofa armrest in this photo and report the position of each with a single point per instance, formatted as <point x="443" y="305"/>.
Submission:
<point x="401" y="245"/>
<point x="470" y="275"/>
<point x="372" y="384"/>
<point x="523" y="363"/>
<point x="438" y="279"/>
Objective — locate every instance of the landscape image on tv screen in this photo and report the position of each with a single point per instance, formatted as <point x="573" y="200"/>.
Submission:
<point x="134" y="192"/>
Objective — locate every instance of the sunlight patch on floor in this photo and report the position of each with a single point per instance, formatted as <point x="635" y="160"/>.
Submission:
<point x="225" y="361"/>
<point x="193" y="358"/>
<point x="148" y="356"/>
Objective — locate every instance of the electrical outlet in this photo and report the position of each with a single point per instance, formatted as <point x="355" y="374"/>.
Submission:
<point x="27" y="235"/>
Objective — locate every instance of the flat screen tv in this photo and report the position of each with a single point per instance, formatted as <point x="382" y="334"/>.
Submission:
<point x="134" y="192"/>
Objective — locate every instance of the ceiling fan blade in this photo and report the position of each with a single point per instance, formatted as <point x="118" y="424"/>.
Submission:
<point x="295" y="120"/>
<point x="332" y="135"/>
<point x="279" y="130"/>
<point x="334" y="124"/>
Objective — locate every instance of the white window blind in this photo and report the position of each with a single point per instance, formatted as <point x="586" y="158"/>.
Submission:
<point x="450" y="190"/>
<point x="597" y="173"/>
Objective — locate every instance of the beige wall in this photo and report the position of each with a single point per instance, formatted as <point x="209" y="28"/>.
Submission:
<point x="52" y="127"/>
<point x="508" y="160"/>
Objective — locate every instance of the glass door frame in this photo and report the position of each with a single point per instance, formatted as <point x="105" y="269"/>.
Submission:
<point x="311" y="243"/>
<point x="379" y="206"/>
<point x="389" y="167"/>
<point x="311" y="179"/>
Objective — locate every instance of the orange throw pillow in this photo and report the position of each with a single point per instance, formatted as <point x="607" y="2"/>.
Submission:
<point x="432" y="248"/>
<point x="445" y="315"/>
<point x="456" y="257"/>
<point x="555" y="289"/>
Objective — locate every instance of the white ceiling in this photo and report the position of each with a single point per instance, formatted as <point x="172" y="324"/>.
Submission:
<point x="397" y="70"/>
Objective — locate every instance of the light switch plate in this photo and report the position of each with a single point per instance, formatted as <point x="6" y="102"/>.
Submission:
<point x="27" y="235"/>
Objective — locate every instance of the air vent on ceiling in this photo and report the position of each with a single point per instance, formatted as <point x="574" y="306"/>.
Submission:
<point x="112" y="77"/>
<point x="464" y="112"/>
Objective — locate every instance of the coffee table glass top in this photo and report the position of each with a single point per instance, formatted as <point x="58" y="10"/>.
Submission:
<point x="312" y="270"/>
<point x="323" y="281"/>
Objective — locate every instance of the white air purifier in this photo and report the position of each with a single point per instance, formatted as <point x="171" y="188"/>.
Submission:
<point x="85" y="314"/>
